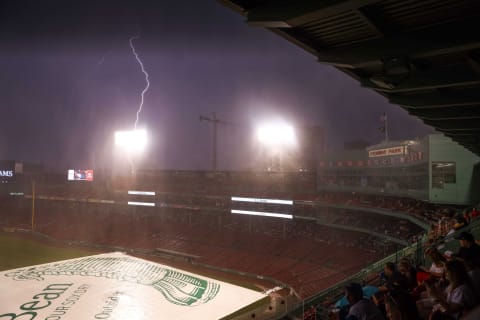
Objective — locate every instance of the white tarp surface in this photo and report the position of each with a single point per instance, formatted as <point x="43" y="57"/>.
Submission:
<point x="115" y="286"/>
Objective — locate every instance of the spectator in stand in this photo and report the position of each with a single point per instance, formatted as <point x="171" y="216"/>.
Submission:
<point x="393" y="278"/>
<point x="409" y="273"/>
<point x="360" y="308"/>
<point x="399" y="305"/>
<point x="459" y="221"/>
<point x="469" y="249"/>
<point x="443" y="225"/>
<point x="466" y="215"/>
<point x="434" y="233"/>
<point x="458" y="298"/>
<point x="474" y="315"/>
<point x="475" y="213"/>
<point x="427" y="300"/>
<point x="437" y="268"/>
<point x="474" y="274"/>
<point x="433" y="276"/>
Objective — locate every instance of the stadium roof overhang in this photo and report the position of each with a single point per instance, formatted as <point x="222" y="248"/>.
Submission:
<point x="421" y="55"/>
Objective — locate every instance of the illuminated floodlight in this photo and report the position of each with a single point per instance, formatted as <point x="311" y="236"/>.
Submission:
<point x="141" y="193"/>
<point x="137" y="203"/>
<point x="263" y="214"/>
<point x="259" y="200"/>
<point x="276" y="135"/>
<point x="134" y="140"/>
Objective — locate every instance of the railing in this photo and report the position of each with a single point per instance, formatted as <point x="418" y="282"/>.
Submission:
<point x="421" y="194"/>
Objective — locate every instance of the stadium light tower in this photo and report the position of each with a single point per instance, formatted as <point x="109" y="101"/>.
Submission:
<point x="276" y="135"/>
<point x="132" y="143"/>
<point x="276" y="138"/>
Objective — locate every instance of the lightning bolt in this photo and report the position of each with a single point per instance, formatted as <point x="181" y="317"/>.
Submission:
<point x="136" y="37"/>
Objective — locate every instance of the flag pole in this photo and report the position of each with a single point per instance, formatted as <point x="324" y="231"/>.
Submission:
<point x="33" y="205"/>
<point x="386" y="127"/>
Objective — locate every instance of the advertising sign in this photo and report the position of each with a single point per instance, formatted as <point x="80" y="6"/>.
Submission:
<point x="393" y="151"/>
<point x="7" y="171"/>
<point x="81" y="175"/>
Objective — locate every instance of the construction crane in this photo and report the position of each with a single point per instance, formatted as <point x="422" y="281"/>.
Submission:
<point x="215" y="121"/>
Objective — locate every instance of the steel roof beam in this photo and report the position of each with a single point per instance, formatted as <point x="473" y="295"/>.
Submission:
<point x="463" y="97"/>
<point x="449" y="113"/>
<point x="286" y="14"/>
<point x="419" y="44"/>
<point x="441" y="77"/>
<point x="454" y="125"/>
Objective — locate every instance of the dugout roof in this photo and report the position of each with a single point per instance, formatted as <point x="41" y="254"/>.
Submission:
<point x="423" y="55"/>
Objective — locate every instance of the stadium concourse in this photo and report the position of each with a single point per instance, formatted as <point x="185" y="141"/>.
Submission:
<point x="331" y="236"/>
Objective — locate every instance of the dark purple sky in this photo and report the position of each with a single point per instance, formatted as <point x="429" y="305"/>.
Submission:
<point x="68" y="79"/>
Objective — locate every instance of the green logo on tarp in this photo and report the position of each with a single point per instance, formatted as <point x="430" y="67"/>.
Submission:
<point x="177" y="287"/>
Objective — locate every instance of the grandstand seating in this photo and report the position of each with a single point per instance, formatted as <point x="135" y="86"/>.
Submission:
<point x="298" y="260"/>
<point x="195" y="221"/>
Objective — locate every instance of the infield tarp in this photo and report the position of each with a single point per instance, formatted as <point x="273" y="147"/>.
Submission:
<point x="115" y="286"/>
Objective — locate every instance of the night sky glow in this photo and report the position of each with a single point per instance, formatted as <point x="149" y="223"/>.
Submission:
<point x="68" y="81"/>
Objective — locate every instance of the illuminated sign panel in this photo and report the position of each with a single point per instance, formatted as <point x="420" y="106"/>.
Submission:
<point x="276" y="208"/>
<point x="393" y="151"/>
<point x="259" y="200"/>
<point x="264" y="214"/>
<point x="140" y="203"/>
<point x="141" y="193"/>
<point x="80" y="175"/>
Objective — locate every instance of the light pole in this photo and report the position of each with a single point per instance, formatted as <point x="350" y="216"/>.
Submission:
<point x="215" y="122"/>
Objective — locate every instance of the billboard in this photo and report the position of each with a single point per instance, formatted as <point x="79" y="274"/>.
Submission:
<point x="80" y="175"/>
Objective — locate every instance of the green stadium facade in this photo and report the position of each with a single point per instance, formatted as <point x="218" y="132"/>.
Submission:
<point x="434" y="169"/>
